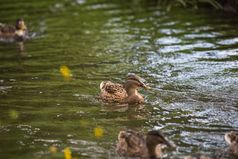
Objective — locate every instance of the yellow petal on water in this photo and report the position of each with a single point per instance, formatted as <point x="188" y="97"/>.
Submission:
<point x="13" y="114"/>
<point x="53" y="149"/>
<point x="65" y="72"/>
<point x="67" y="153"/>
<point x="98" y="132"/>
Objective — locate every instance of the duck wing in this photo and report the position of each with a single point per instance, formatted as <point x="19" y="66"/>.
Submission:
<point x="131" y="144"/>
<point x="112" y="92"/>
<point x="7" y="28"/>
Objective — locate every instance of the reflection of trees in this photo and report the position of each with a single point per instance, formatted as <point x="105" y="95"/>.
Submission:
<point x="226" y="5"/>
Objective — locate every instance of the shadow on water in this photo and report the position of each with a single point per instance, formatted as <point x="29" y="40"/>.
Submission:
<point x="188" y="57"/>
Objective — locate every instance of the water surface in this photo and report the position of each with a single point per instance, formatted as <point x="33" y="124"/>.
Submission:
<point x="189" y="58"/>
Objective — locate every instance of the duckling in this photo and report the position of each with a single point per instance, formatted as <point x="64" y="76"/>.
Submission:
<point x="197" y="157"/>
<point x="119" y="93"/>
<point x="133" y="144"/>
<point x="156" y="142"/>
<point x="232" y="139"/>
<point x="13" y="33"/>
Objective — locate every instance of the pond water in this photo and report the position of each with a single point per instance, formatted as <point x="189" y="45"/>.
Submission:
<point x="189" y="58"/>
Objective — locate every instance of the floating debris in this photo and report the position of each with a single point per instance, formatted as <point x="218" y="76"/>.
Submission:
<point x="65" y="72"/>
<point x="98" y="132"/>
<point x="67" y="153"/>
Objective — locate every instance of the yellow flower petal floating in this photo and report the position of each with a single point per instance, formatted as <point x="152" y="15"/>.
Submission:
<point x="67" y="153"/>
<point x="65" y="72"/>
<point x="98" y="132"/>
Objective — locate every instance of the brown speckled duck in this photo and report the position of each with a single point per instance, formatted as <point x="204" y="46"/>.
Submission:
<point x="156" y="142"/>
<point x="232" y="139"/>
<point x="13" y="33"/>
<point x="197" y="157"/>
<point x="133" y="144"/>
<point x="123" y="93"/>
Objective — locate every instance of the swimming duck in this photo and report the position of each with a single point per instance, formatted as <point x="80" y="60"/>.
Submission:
<point x="123" y="93"/>
<point x="156" y="142"/>
<point x="133" y="144"/>
<point x="232" y="139"/>
<point x="197" y="157"/>
<point x="13" y="33"/>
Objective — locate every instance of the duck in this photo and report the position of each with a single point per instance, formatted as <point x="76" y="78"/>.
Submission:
<point x="123" y="93"/>
<point x="134" y="144"/>
<point x="13" y="33"/>
<point x="131" y="144"/>
<point x="156" y="142"/>
<point x="231" y="139"/>
<point x="198" y="157"/>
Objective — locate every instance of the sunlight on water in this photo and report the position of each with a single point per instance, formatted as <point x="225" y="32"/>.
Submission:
<point x="189" y="58"/>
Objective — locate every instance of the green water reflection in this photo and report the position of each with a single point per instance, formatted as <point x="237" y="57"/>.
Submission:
<point x="188" y="57"/>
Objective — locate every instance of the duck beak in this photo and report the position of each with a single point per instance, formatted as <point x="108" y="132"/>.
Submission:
<point x="144" y="85"/>
<point x="24" y="26"/>
<point x="172" y="145"/>
<point x="147" y="87"/>
<point x="132" y="76"/>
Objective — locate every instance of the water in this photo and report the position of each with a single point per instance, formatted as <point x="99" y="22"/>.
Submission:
<point x="188" y="57"/>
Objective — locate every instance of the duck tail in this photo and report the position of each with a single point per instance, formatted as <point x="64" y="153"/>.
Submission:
<point x="102" y="84"/>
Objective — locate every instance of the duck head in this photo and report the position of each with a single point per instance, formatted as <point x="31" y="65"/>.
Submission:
<point x="156" y="142"/>
<point x="231" y="137"/>
<point x="133" y="83"/>
<point x="20" y="24"/>
<point x="21" y="28"/>
<point x="131" y="144"/>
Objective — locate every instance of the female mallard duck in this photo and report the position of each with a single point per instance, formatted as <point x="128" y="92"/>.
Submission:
<point x="133" y="144"/>
<point x="232" y="139"/>
<point x="156" y="142"/>
<point x="13" y="33"/>
<point x="119" y="93"/>
<point x="197" y="157"/>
